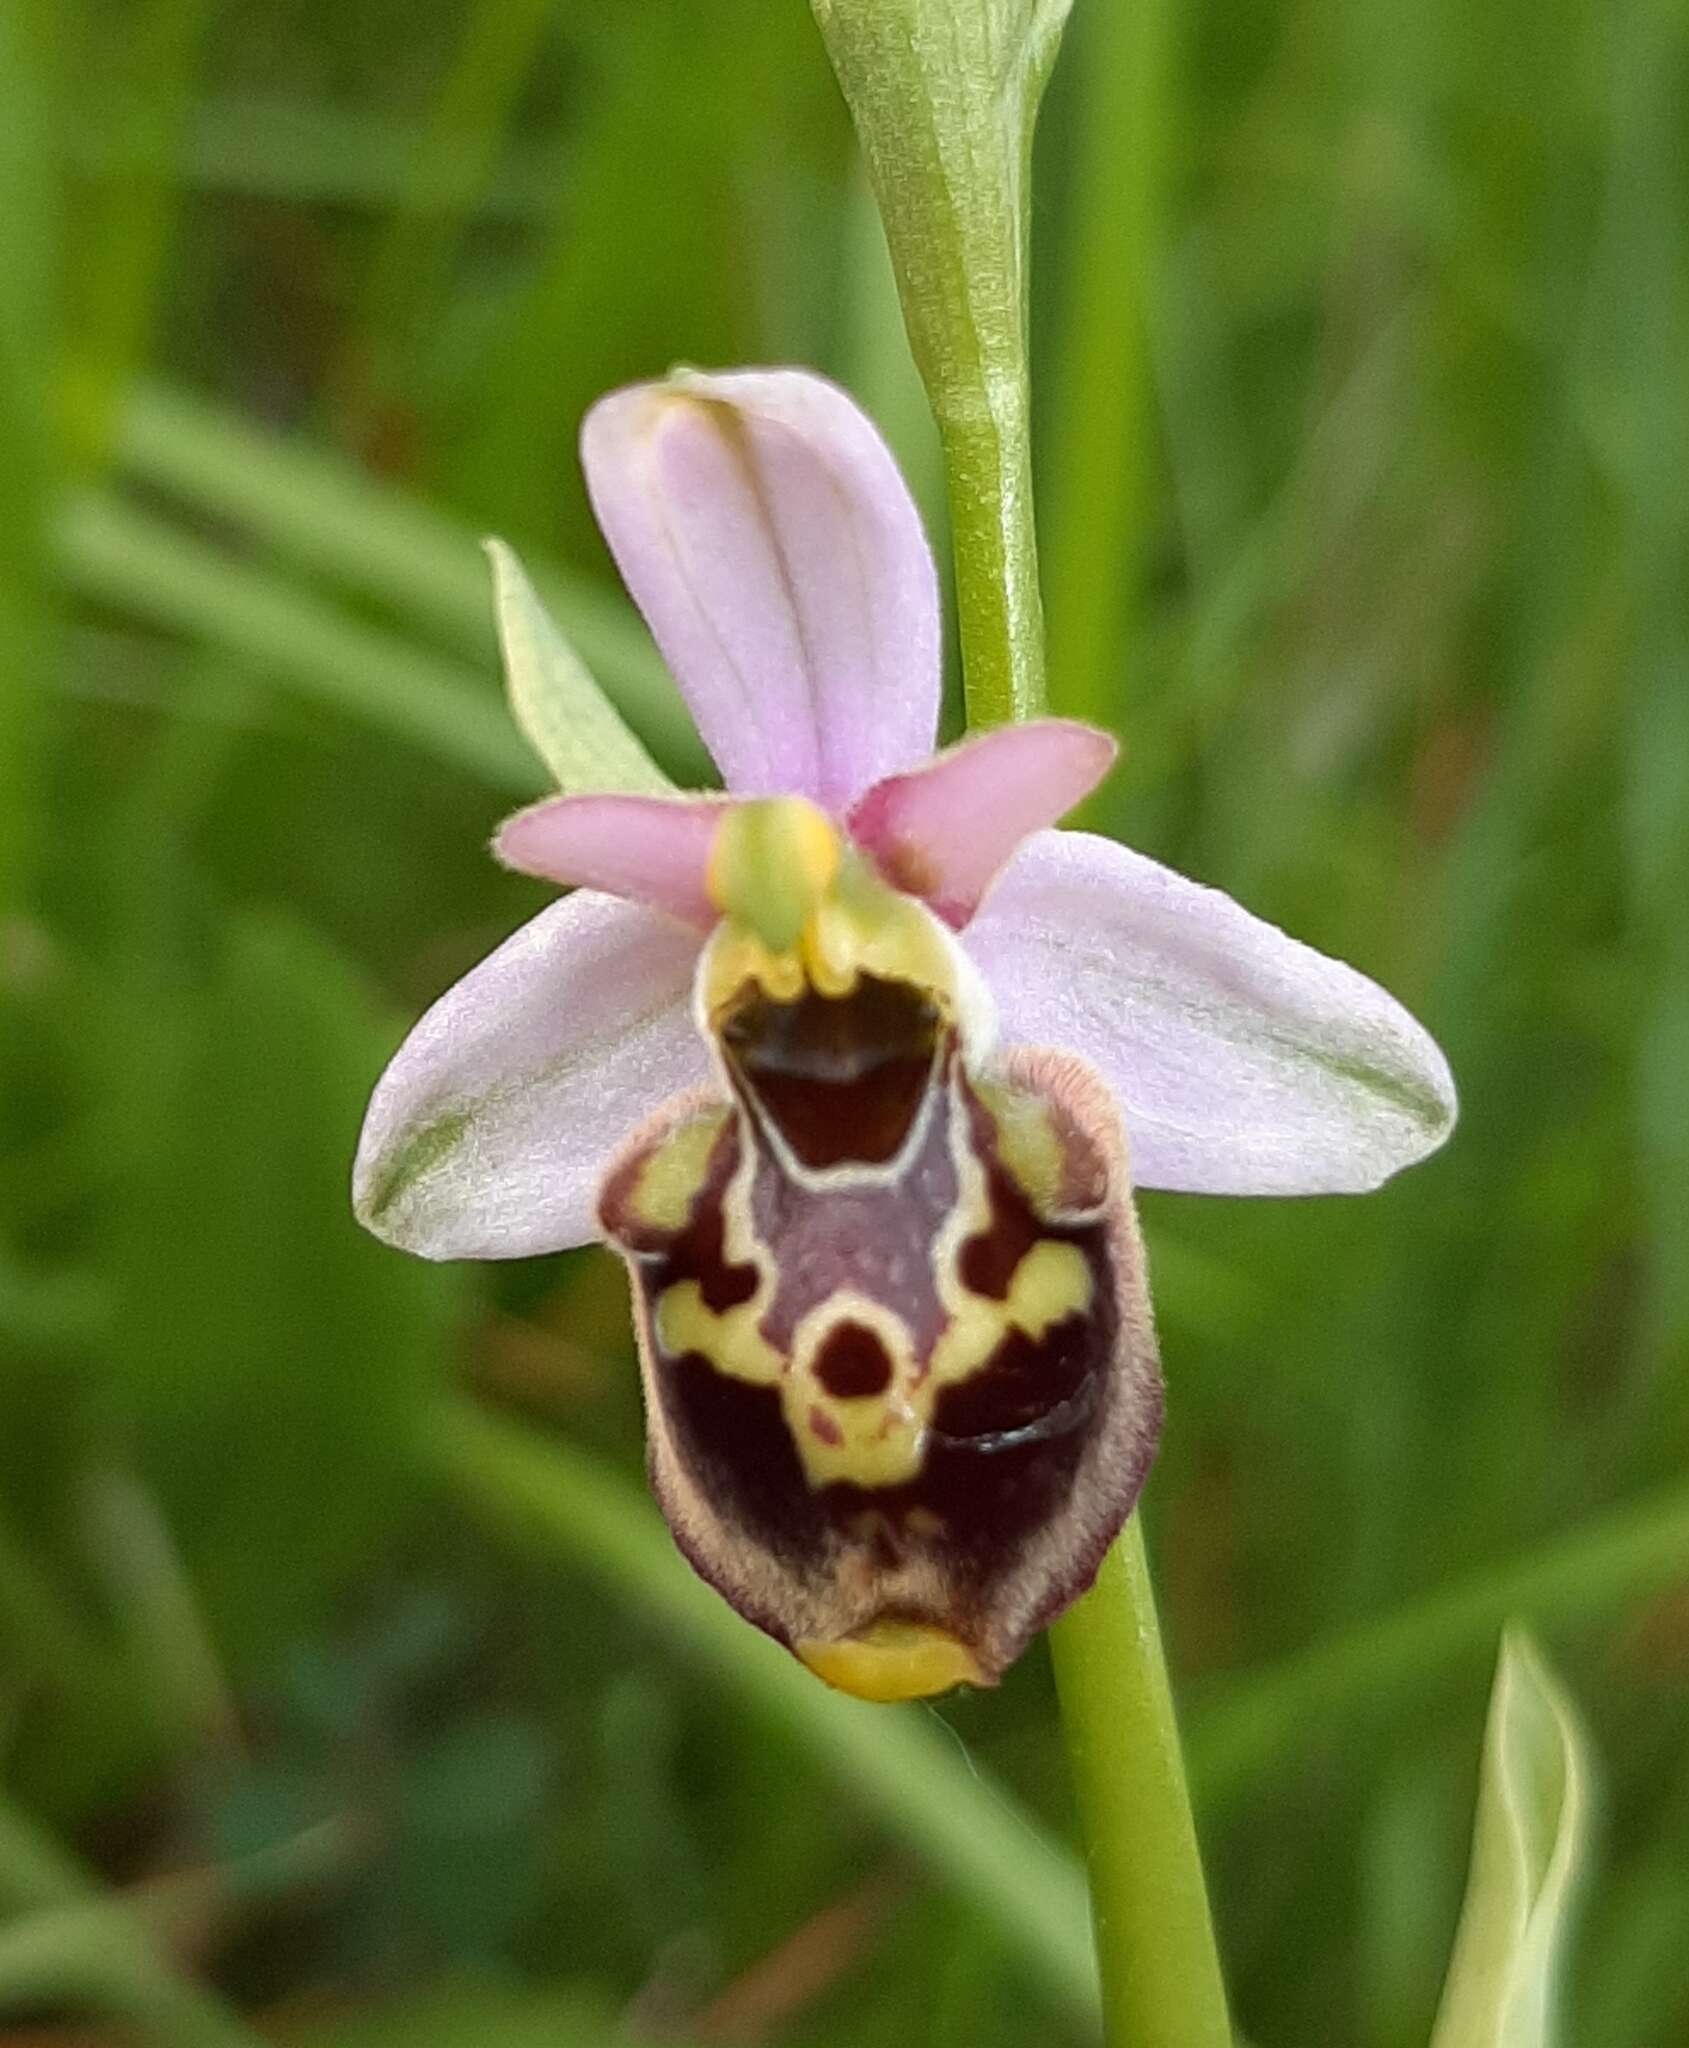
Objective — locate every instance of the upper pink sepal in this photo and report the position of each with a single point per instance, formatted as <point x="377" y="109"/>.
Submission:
<point x="944" y="831"/>
<point x="764" y="531"/>
<point x="650" y="849"/>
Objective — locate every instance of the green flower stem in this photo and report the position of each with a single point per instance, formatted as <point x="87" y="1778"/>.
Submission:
<point x="1155" y="1941"/>
<point x="1161" y="1979"/>
<point x="997" y="605"/>
<point x="944" y="94"/>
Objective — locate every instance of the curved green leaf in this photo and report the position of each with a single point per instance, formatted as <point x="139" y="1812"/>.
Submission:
<point x="1533" y="1801"/>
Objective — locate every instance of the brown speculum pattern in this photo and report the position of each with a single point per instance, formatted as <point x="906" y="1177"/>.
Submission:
<point x="898" y="1357"/>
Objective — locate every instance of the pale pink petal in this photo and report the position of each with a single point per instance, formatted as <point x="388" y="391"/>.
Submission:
<point x="488" y="1134"/>
<point x="650" y="849"/>
<point x="1245" y="1062"/>
<point x="945" y="830"/>
<point x="761" y="524"/>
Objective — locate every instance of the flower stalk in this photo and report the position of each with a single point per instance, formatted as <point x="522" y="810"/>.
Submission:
<point x="944" y="94"/>
<point x="1160" y="1969"/>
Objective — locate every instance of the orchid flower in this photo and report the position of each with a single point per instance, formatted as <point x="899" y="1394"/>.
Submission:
<point x="858" y="1063"/>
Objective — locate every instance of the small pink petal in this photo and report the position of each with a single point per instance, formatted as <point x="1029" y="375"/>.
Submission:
<point x="650" y="849"/>
<point x="1245" y="1063"/>
<point x="944" y="831"/>
<point x="491" y="1129"/>
<point x="763" y="528"/>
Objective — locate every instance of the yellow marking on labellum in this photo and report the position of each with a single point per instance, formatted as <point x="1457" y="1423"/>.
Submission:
<point x="976" y="1324"/>
<point x="1051" y="1281"/>
<point x="877" y="1437"/>
<point x="672" y="1175"/>
<point x="1028" y="1143"/>
<point x="893" y="1660"/>
<point x="801" y="910"/>
<point x="874" y="1437"/>
<point x="728" y="1338"/>
<point x="857" y="1401"/>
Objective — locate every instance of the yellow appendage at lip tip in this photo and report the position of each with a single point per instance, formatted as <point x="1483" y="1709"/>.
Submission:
<point x="893" y="1660"/>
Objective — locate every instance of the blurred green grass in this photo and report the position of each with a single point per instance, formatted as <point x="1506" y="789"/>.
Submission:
<point x="1361" y="349"/>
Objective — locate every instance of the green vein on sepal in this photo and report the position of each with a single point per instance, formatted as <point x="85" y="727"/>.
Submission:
<point x="416" y="1156"/>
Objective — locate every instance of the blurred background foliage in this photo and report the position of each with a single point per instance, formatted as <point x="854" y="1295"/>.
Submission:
<point x="349" y="1690"/>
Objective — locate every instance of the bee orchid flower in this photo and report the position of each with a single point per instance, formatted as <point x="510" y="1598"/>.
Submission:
<point x="858" y="1062"/>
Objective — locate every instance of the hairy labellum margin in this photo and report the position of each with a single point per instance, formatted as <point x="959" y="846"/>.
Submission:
<point x="899" y="1364"/>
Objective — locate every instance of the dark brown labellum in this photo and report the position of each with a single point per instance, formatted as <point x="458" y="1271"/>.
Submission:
<point x="898" y="1355"/>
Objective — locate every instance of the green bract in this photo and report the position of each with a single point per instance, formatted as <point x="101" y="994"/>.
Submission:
<point x="564" y="715"/>
<point x="1533" y="1804"/>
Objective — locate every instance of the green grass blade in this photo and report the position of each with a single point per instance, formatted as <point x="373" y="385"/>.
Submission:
<point x="260" y="145"/>
<point x="1621" y="1557"/>
<point x="71" y="1944"/>
<point x="119" y="555"/>
<point x="1096" y="494"/>
<point x="314" y="508"/>
<point x="455" y="154"/>
<point x="124" y="248"/>
<point x="91" y="1955"/>
<point x="1634" y="350"/>
<point x="561" y="1502"/>
<point x="487" y="2015"/>
<point x="29" y="205"/>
